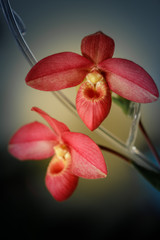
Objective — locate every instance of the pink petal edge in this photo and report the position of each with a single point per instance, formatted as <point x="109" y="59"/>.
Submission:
<point x="57" y="126"/>
<point x="58" y="71"/>
<point x="33" y="141"/>
<point x="129" y="80"/>
<point x="87" y="159"/>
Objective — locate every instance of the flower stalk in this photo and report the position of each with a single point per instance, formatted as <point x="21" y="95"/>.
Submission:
<point x="149" y="142"/>
<point x="114" y="152"/>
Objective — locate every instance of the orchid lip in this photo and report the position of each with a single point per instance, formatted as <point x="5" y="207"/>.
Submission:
<point x="93" y="89"/>
<point x="56" y="167"/>
<point x="60" y="160"/>
<point x="93" y="101"/>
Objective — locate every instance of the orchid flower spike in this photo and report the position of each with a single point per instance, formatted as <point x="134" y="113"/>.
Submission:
<point x="98" y="73"/>
<point x="74" y="154"/>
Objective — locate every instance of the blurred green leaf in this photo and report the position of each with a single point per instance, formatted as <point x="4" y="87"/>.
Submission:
<point x="123" y="103"/>
<point x="149" y="175"/>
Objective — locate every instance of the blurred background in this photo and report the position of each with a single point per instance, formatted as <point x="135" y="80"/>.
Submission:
<point x="124" y="203"/>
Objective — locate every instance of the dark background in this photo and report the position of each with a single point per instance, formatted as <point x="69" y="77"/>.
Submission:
<point x="124" y="204"/>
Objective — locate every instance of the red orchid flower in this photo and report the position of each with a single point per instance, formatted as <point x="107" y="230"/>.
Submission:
<point x="98" y="73"/>
<point x="74" y="154"/>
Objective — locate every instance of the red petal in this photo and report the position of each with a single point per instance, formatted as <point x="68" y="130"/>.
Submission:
<point x="97" y="47"/>
<point x="60" y="182"/>
<point x="87" y="159"/>
<point x="33" y="141"/>
<point x="58" y="71"/>
<point x="57" y="126"/>
<point x="129" y="80"/>
<point x="93" y="105"/>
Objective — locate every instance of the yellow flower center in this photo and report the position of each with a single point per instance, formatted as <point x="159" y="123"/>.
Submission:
<point x="62" y="152"/>
<point x="94" y="77"/>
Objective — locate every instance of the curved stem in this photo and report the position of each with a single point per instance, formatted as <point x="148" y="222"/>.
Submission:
<point x="115" y="153"/>
<point x="15" y="29"/>
<point x="149" y="142"/>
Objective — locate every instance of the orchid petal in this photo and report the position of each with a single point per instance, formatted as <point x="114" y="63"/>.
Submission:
<point x="129" y="80"/>
<point x="33" y="141"/>
<point x="87" y="159"/>
<point x="57" y="126"/>
<point x="60" y="182"/>
<point x="97" y="47"/>
<point x="93" y="105"/>
<point x="58" y="71"/>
